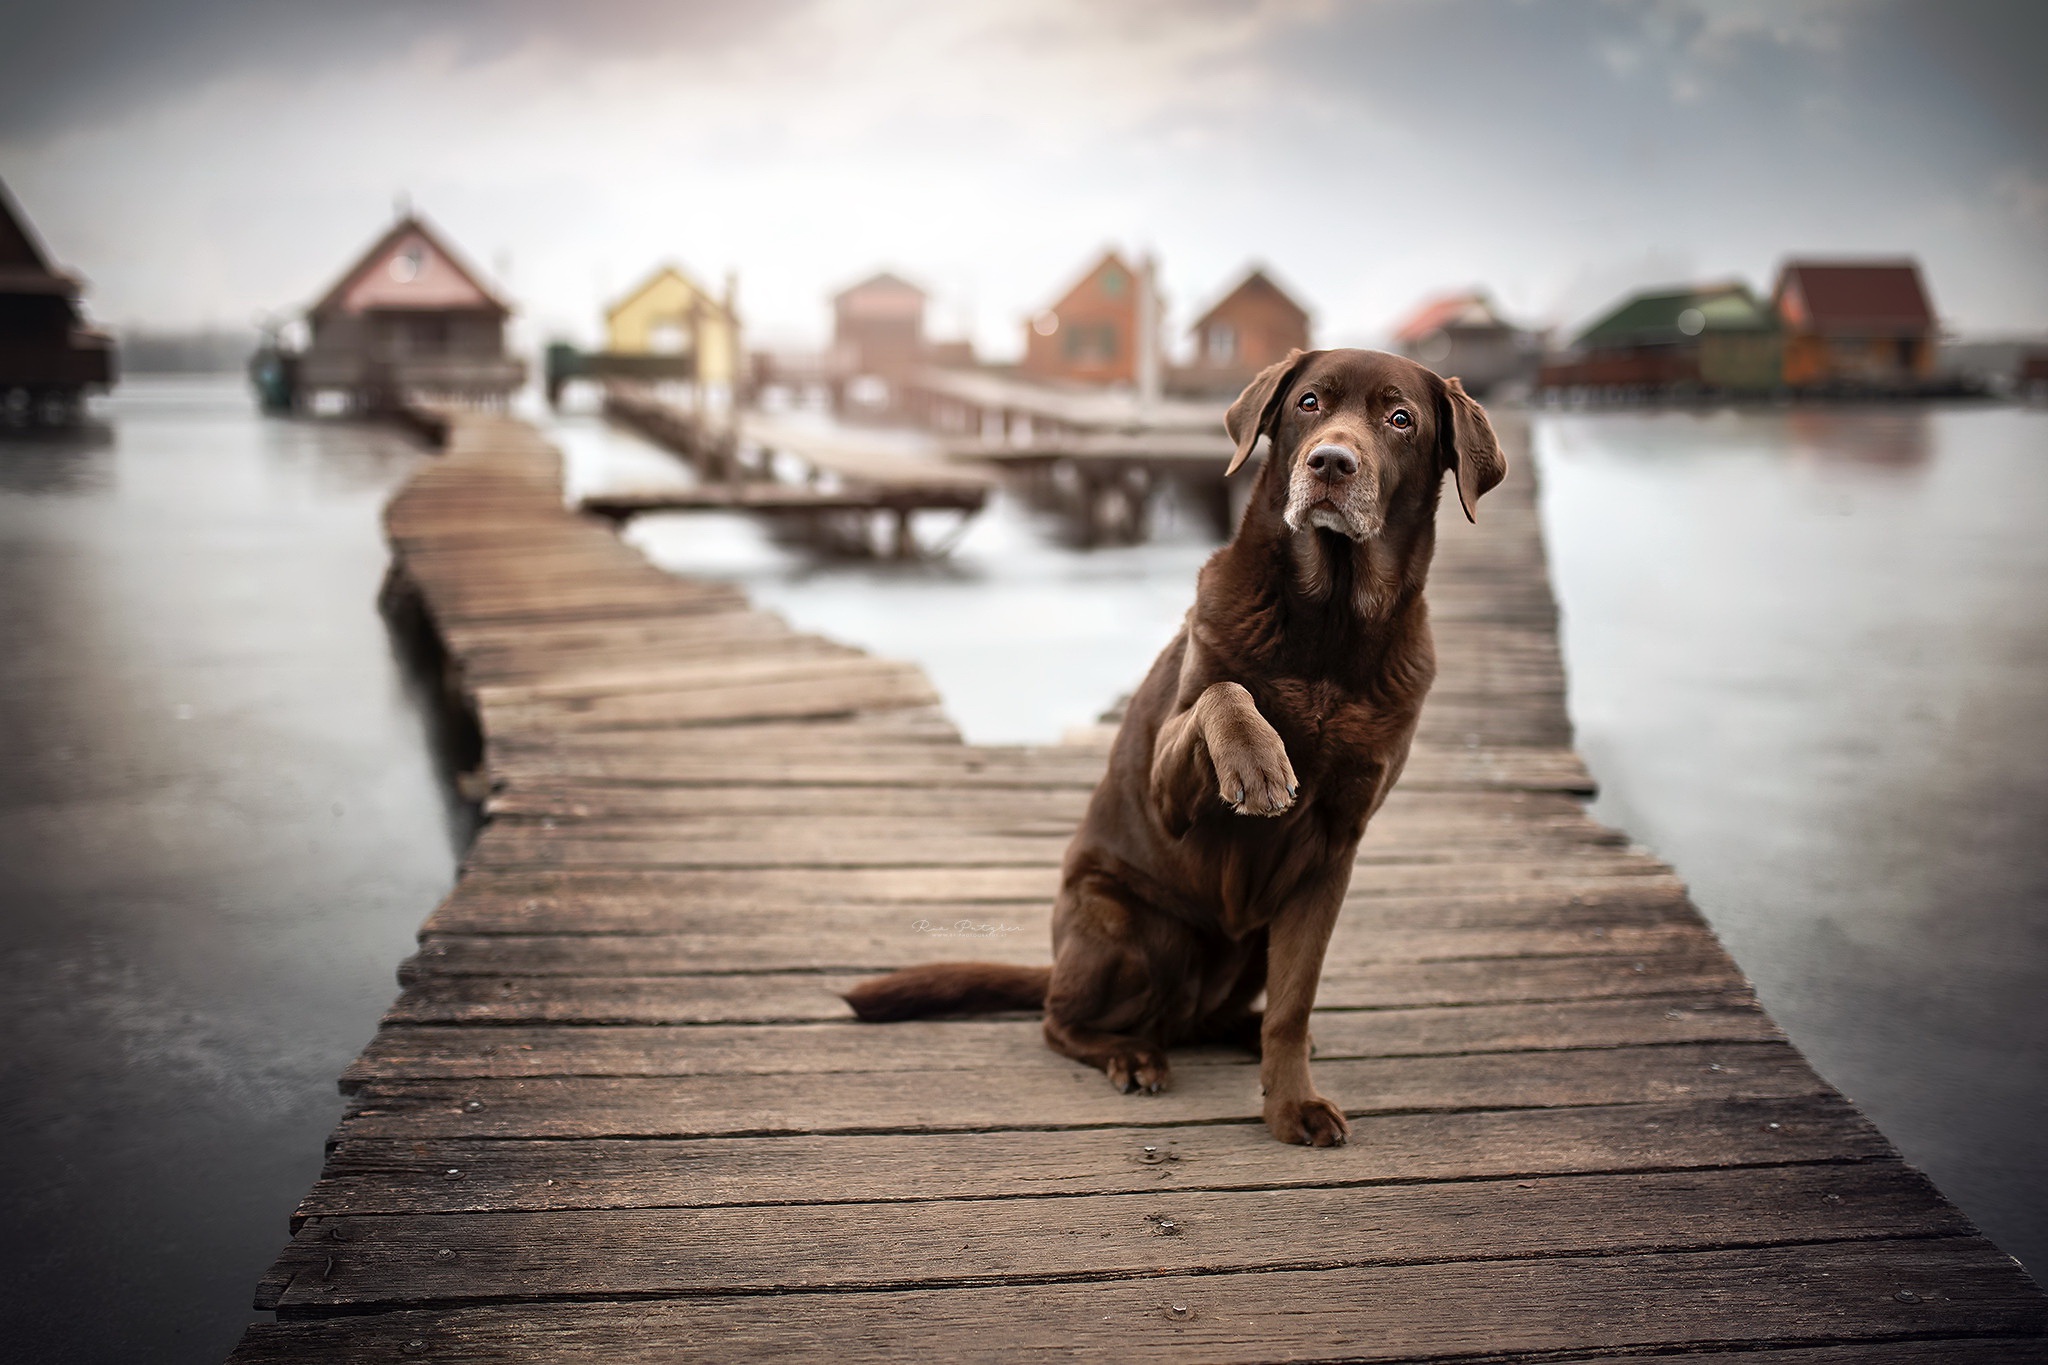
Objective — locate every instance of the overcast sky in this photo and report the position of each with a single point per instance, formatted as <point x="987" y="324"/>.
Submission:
<point x="205" y="161"/>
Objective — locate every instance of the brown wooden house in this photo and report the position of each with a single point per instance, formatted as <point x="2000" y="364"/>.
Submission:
<point x="1695" y="339"/>
<point x="1246" y="330"/>
<point x="49" y="357"/>
<point x="409" y="318"/>
<point x="1091" y="334"/>
<point x="1858" y="324"/>
<point x="1464" y="335"/>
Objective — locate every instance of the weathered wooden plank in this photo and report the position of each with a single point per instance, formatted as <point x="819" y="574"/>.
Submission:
<point x="381" y="1175"/>
<point x="1041" y="1091"/>
<point x="667" y="760"/>
<point x="1411" y="812"/>
<point x="606" y="902"/>
<point x="1764" y="1296"/>
<point x="769" y="997"/>
<point x="389" y="1262"/>
<point x="707" y="840"/>
<point x="419" y="1052"/>
<point x="856" y="937"/>
<point x="866" y="688"/>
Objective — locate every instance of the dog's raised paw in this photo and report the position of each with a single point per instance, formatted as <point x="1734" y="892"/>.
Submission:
<point x="1253" y="783"/>
<point x="1313" y="1122"/>
<point x="1136" y="1073"/>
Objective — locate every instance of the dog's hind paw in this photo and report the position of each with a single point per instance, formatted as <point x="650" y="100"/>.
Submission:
<point x="1137" y="1072"/>
<point x="1313" y="1122"/>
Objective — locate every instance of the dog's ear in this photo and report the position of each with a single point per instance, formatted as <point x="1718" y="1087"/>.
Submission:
<point x="1251" y="416"/>
<point x="1467" y="445"/>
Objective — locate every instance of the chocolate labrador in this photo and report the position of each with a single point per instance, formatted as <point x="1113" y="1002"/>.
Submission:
<point x="1216" y="851"/>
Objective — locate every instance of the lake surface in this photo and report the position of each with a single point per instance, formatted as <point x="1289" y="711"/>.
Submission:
<point x="222" y="825"/>
<point x="1806" y="654"/>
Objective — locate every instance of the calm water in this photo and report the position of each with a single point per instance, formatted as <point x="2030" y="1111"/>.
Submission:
<point x="1806" y="654"/>
<point x="221" y="827"/>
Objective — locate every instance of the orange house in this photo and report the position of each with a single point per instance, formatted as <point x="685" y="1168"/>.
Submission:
<point x="1854" y="322"/>
<point x="1091" y="334"/>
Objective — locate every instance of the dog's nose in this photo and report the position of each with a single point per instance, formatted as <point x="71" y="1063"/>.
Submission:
<point x="1332" y="463"/>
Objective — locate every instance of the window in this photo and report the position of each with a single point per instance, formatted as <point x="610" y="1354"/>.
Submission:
<point x="1090" y="343"/>
<point x="1222" y="343"/>
<point x="1113" y="281"/>
<point x="667" y="337"/>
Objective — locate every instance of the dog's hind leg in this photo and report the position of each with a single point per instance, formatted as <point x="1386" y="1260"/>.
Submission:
<point x="1133" y="1064"/>
<point x="1100" y="1007"/>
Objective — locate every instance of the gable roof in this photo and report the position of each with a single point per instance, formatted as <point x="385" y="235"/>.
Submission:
<point x="1103" y="262"/>
<point x="1853" y="296"/>
<point x="25" y="266"/>
<point x="1657" y="316"/>
<point x="1256" y="283"/>
<point x="433" y="277"/>
<point x="665" y="271"/>
<point x="1450" y="310"/>
<point x="882" y="282"/>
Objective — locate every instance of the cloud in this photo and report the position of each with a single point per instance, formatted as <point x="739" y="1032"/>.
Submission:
<point x="1373" y="152"/>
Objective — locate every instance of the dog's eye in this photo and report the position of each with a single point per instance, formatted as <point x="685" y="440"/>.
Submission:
<point x="1308" y="403"/>
<point x="1400" y="419"/>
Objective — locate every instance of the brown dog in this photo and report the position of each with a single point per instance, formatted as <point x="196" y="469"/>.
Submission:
<point x="1216" y="851"/>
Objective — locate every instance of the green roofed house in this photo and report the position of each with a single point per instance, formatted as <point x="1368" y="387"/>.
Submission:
<point x="1718" y="338"/>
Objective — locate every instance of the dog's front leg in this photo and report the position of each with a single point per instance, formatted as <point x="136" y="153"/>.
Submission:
<point x="1220" y="744"/>
<point x="1295" y="944"/>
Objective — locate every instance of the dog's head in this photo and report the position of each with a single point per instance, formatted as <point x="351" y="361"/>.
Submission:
<point x="1357" y="433"/>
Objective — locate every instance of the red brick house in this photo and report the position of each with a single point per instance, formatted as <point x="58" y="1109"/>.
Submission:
<point x="1091" y="334"/>
<point x="1857" y="323"/>
<point x="1246" y="330"/>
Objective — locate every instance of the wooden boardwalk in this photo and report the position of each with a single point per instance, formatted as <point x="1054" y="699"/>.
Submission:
<point x="618" y="1113"/>
<point x="845" y="471"/>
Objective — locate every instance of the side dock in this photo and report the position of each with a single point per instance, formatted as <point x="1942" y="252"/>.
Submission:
<point x="618" y="1112"/>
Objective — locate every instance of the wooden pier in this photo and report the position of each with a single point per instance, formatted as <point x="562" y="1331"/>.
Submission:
<point x="843" y="475"/>
<point x="618" y="1113"/>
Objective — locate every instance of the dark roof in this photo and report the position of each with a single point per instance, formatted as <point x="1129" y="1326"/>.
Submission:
<point x="24" y="266"/>
<point x="1853" y="296"/>
<point x="1256" y="282"/>
<point x="410" y="223"/>
<point x="1658" y="316"/>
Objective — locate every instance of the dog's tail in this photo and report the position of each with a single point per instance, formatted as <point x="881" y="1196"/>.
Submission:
<point x="949" y="988"/>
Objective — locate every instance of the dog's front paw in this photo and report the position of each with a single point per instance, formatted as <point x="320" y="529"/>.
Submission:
<point x="1253" y="777"/>
<point x="1313" y="1122"/>
<point x="1137" y="1072"/>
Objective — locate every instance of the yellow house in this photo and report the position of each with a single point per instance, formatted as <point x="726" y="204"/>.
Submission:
<point x="671" y="314"/>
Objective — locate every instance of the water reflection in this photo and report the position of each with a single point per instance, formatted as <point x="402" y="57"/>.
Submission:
<point x="1899" y="438"/>
<point x="55" y="460"/>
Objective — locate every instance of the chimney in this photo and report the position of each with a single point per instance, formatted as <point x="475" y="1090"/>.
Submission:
<point x="1151" y="364"/>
